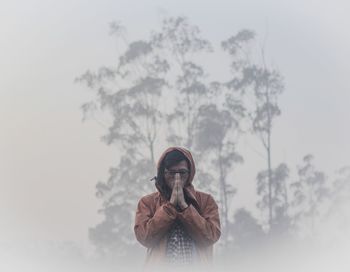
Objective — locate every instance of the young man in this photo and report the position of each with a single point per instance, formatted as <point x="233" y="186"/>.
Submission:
<point x="177" y="224"/>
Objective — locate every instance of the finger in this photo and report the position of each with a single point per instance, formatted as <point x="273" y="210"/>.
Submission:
<point x="178" y="192"/>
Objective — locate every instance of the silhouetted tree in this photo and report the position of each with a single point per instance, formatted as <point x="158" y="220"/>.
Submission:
<point x="267" y="86"/>
<point x="188" y="89"/>
<point x="339" y="211"/>
<point x="341" y="186"/>
<point x="213" y="137"/>
<point x="182" y="41"/>
<point x="246" y="231"/>
<point x="309" y="191"/>
<point x="279" y="197"/>
<point x="261" y="87"/>
<point x="131" y="93"/>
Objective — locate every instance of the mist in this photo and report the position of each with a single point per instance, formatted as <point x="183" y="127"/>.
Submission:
<point x="79" y="146"/>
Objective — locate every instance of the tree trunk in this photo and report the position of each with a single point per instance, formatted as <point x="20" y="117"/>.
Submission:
<point x="223" y="199"/>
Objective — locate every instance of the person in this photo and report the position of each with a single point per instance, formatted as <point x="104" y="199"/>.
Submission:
<point x="177" y="224"/>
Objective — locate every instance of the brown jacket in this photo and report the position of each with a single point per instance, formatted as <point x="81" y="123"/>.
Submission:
<point x="155" y="215"/>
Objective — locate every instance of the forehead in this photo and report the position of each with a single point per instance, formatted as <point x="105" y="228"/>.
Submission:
<point x="180" y="165"/>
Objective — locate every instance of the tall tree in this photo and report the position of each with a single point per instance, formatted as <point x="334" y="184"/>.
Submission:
<point x="267" y="85"/>
<point x="213" y="138"/>
<point x="261" y="87"/>
<point x="276" y="181"/>
<point x="309" y="191"/>
<point x="130" y="93"/>
<point x="220" y="122"/>
<point x="183" y="42"/>
<point x="188" y="90"/>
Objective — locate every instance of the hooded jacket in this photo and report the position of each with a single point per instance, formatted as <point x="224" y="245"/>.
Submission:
<point x="155" y="215"/>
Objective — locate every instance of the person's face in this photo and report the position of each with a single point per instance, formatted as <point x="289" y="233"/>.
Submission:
<point x="180" y="169"/>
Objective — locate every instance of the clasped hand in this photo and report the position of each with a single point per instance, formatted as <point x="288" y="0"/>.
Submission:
<point x="177" y="196"/>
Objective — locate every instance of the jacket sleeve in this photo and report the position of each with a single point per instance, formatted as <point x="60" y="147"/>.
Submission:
<point x="149" y="229"/>
<point x="205" y="228"/>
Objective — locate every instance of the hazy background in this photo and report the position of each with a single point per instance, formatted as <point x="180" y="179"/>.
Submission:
<point x="50" y="161"/>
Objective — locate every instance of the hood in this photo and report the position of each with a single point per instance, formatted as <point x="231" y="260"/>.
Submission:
<point x="188" y="189"/>
<point x="187" y="154"/>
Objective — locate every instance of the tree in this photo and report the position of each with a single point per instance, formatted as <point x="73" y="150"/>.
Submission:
<point x="339" y="213"/>
<point x="261" y="88"/>
<point x="246" y="231"/>
<point x="213" y="138"/>
<point x="130" y="93"/>
<point x="267" y="86"/>
<point x="341" y="186"/>
<point x="309" y="191"/>
<point x="182" y="41"/>
<point x="276" y="181"/>
<point x="188" y="90"/>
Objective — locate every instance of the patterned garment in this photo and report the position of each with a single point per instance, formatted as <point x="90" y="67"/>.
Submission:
<point x="180" y="246"/>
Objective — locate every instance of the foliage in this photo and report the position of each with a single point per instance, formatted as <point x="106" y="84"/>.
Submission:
<point x="309" y="191"/>
<point x="280" y="174"/>
<point x="160" y="93"/>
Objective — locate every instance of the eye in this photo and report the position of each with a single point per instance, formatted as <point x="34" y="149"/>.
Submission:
<point x="182" y="172"/>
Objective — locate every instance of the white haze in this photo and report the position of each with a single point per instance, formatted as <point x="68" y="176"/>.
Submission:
<point x="50" y="161"/>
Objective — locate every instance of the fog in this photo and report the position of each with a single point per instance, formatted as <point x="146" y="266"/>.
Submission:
<point x="51" y="160"/>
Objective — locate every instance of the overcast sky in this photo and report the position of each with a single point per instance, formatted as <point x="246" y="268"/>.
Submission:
<point x="50" y="161"/>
